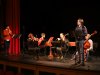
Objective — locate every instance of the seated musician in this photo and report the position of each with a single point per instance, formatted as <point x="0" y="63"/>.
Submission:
<point x="90" y="48"/>
<point x="31" y="37"/>
<point x="63" y="45"/>
<point x="41" y="42"/>
<point x="42" y="38"/>
<point x="32" y="44"/>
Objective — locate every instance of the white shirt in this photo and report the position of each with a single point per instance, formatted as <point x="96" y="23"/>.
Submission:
<point x="91" y="45"/>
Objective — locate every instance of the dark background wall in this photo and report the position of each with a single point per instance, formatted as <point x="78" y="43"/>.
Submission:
<point x="55" y="16"/>
<point x="58" y="15"/>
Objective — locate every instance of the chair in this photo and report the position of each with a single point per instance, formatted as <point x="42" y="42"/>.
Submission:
<point x="34" y="48"/>
<point x="72" y="45"/>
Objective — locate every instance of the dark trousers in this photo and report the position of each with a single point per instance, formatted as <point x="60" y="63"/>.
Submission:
<point x="80" y="49"/>
<point x="6" y="45"/>
<point x="59" y="51"/>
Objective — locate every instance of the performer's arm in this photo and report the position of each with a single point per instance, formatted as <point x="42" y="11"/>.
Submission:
<point x="91" y="45"/>
<point x="85" y="31"/>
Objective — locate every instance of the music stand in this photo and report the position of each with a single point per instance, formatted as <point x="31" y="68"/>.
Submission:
<point x="49" y="41"/>
<point x="16" y="36"/>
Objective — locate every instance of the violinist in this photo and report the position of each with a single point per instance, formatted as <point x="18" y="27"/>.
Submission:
<point x="31" y="37"/>
<point x="41" y="43"/>
<point x="7" y="34"/>
<point x="42" y="38"/>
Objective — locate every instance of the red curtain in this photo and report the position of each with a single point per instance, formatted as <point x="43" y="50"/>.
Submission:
<point x="13" y="20"/>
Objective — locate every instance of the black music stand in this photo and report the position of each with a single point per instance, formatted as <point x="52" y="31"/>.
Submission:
<point x="56" y="43"/>
<point x="16" y="36"/>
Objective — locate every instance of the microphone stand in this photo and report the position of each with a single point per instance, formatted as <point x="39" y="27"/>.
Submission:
<point x="76" y="49"/>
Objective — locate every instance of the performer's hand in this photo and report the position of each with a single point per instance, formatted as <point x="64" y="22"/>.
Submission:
<point x="20" y="35"/>
<point x="58" y="39"/>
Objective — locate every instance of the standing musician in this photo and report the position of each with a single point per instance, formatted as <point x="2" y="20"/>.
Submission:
<point x="7" y="34"/>
<point x="63" y="45"/>
<point x="80" y="33"/>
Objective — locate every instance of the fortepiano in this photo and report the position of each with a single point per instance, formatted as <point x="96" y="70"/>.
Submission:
<point x="72" y="43"/>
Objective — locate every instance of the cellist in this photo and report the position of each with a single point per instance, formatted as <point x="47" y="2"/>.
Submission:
<point x="88" y="46"/>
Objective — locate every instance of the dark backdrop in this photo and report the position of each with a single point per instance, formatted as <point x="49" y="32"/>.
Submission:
<point x="55" y="16"/>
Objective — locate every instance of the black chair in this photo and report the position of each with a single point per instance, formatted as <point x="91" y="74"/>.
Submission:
<point x="43" y="48"/>
<point x="33" y="48"/>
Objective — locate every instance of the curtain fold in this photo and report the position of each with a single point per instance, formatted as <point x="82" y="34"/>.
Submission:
<point x="13" y="20"/>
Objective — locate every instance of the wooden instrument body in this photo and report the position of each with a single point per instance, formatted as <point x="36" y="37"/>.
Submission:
<point x="86" y="45"/>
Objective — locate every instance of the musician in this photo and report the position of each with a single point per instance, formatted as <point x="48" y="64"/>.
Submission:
<point x="63" y="45"/>
<point x="41" y="43"/>
<point x="7" y="34"/>
<point x="88" y="49"/>
<point x="33" y="43"/>
<point x="80" y="33"/>
<point x="42" y="38"/>
<point x="31" y="37"/>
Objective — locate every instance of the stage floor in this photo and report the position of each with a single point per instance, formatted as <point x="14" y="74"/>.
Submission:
<point x="92" y="65"/>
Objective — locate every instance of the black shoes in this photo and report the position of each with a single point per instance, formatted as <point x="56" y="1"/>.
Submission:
<point x="79" y="62"/>
<point x="82" y="64"/>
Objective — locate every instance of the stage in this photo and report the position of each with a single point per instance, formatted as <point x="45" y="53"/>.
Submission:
<point x="57" y="66"/>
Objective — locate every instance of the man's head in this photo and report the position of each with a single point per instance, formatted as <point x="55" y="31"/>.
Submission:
<point x="80" y="21"/>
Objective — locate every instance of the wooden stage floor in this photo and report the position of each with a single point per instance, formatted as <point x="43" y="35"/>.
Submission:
<point x="92" y="65"/>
